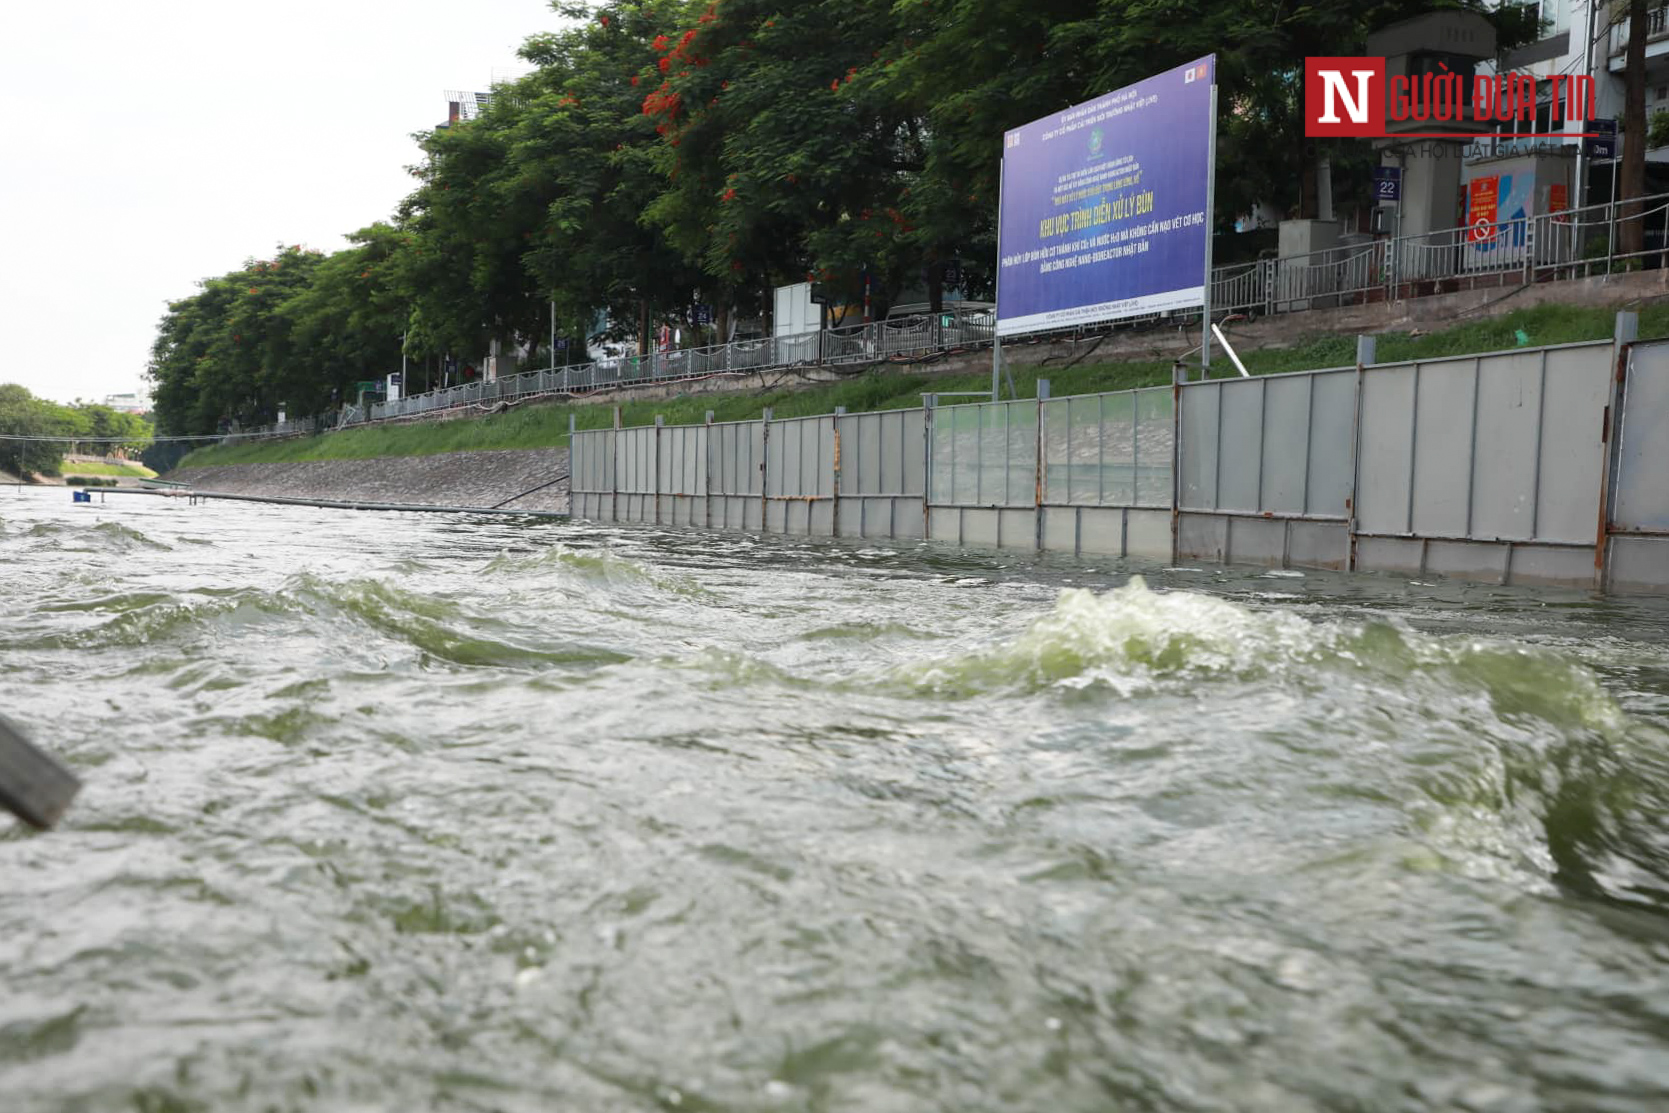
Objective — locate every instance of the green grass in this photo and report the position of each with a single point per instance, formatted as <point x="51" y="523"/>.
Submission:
<point x="546" y="425"/>
<point x="80" y="467"/>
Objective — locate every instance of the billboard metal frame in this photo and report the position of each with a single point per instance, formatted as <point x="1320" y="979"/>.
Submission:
<point x="1210" y="63"/>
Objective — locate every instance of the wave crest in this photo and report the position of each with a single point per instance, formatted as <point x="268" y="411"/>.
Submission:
<point x="1128" y="639"/>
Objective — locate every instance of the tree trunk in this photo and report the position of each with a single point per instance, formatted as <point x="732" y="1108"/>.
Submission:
<point x="935" y="285"/>
<point x="643" y="338"/>
<point x="1306" y="183"/>
<point x="1631" y="233"/>
<point x="721" y="319"/>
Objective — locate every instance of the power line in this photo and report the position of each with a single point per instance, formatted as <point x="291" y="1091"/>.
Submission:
<point x="121" y="440"/>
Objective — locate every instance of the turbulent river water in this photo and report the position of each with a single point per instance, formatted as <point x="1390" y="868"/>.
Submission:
<point x="411" y="812"/>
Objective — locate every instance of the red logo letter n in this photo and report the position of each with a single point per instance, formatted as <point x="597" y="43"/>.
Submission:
<point x="1344" y="96"/>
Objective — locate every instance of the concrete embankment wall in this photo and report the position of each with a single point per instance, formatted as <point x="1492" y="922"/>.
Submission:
<point x="521" y="479"/>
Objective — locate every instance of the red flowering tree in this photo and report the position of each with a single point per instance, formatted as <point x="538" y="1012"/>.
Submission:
<point x="778" y="154"/>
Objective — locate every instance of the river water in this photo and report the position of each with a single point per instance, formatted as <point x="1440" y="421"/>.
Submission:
<point x="410" y="812"/>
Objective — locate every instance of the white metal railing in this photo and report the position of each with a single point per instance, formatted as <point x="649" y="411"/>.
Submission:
<point x="898" y="337"/>
<point x="1657" y="23"/>
<point x="1546" y="246"/>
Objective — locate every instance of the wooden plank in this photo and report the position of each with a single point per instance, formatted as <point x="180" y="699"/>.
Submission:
<point x="33" y="785"/>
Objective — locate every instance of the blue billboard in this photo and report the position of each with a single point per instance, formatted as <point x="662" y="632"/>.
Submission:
<point x="1106" y="206"/>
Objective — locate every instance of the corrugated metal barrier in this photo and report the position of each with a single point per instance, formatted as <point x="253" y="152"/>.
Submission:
<point x="1536" y="465"/>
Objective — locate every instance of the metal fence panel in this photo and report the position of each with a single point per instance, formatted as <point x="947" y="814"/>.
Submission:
<point x="1643" y="445"/>
<point x="592" y="464"/>
<point x="1496" y="447"/>
<point x="1444" y="411"/>
<point x="1461" y="466"/>
<point x="800" y="458"/>
<point x="912" y="449"/>
<point x="991" y="476"/>
<point x="1509" y="423"/>
<point x="1201" y="406"/>
<point x="1057" y="475"/>
<point x="737" y="449"/>
<point x="877" y="451"/>
<point x="1385" y="463"/>
<point x="1329" y="475"/>
<point x="1271" y="445"/>
<point x="1109" y="449"/>
<point x="1020" y="436"/>
<point x="683" y="460"/>
<point x="955" y="475"/>
<point x="636" y="460"/>
<point x="860" y="453"/>
<point x="1117" y="443"/>
<point x="985" y="455"/>
<point x="1155" y="443"/>
<point x="1085" y="451"/>
<point x="1285" y="443"/>
<point x="1239" y="444"/>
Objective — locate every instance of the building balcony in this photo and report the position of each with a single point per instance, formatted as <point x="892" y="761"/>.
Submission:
<point x="1657" y="36"/>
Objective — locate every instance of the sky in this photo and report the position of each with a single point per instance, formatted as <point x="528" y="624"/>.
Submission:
<point x="149" y="146"/>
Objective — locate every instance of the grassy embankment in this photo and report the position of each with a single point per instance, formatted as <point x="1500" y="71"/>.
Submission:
<point x="546" y="426"/>
<point x="82" y="467"/>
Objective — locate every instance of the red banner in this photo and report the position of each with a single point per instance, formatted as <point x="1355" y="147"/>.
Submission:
<point x="1480" y="208"/>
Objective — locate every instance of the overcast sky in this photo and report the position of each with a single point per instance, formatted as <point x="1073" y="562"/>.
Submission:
<point x="151" y="145"/>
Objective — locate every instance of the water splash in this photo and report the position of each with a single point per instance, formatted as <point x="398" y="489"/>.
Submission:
<point x="1129" y="640"/>
<point x="587" y="569"/>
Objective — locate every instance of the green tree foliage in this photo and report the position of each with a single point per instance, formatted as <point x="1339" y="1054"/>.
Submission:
<point x="24" y="415"/>
<point x="666" y="153"/>
<point x="231" y="353"/>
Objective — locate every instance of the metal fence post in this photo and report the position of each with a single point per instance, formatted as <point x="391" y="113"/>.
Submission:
<point x="929" y="410"/>
<point x="1176" y="459"/>
<point x="660" y="424"/>
<point x="1363" y="347"/>
<point x="765" y="472"/>
<point x="1624" y="334"/>
<point x="1366" y="347"/>
<point x="1042" y="464"/>
<point x="834" y="489"/>
<point x="614" y="480"/>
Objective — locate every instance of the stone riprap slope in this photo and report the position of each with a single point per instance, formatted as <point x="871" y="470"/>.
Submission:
<point x="519" y="479"/>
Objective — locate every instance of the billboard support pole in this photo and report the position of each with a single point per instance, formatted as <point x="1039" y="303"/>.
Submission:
<point x="1210" y="225"/>
<point x="997" y="285"/>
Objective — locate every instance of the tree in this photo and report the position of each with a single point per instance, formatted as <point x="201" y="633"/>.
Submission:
<point x="669" y="152"/>
<point x="1631" y="231"/>
<point x="24" y="415"/>
<point x="783" y="159"/>
<point x="586" y="146"/>
<point x="227" y="355"/>
<point x="344" y="323"/>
